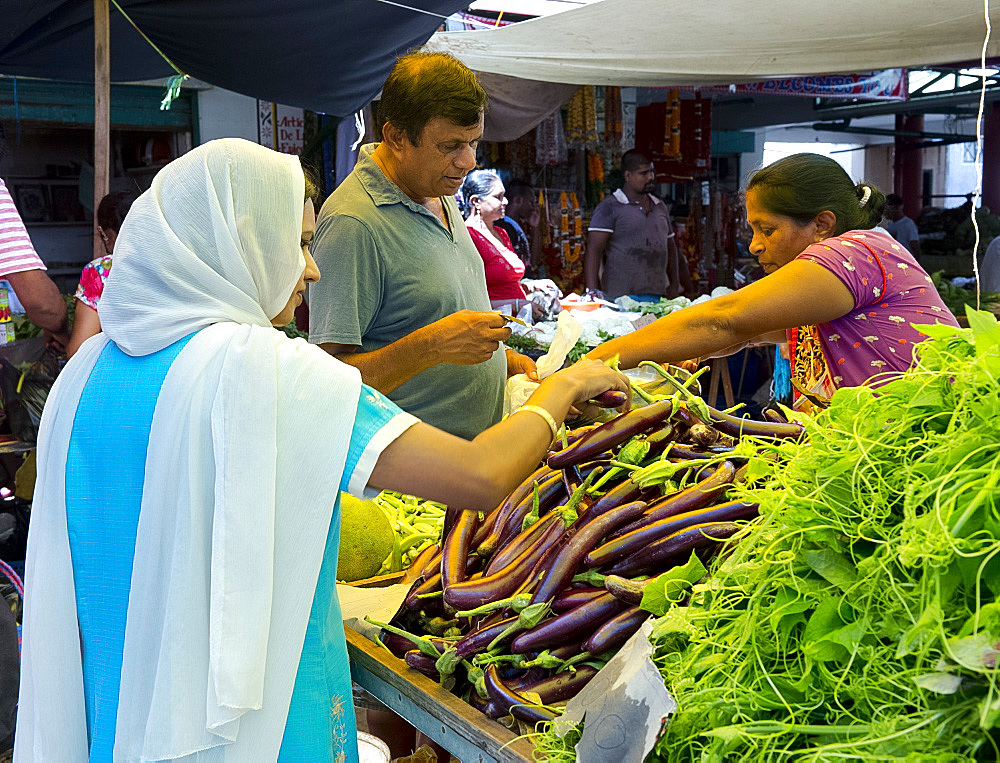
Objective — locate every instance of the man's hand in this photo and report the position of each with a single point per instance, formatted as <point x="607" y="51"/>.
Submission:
<point x="57" y="341"/>
<point x="535" y="217"/>
<point x="41" y="300"/>
<point x="467" y="338"/>
<point x="520" y="364"/>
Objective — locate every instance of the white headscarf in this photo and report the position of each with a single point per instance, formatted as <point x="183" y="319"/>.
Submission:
<point x="216" y="238"/>
<point x="246" y="451"/>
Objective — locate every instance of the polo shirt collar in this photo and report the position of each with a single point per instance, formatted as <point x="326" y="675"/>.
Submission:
<point x="621" y="198"/>
<point x="379" y="187"/>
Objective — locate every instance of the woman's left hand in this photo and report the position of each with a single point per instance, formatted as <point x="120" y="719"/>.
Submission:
<point x="520" y="364"/>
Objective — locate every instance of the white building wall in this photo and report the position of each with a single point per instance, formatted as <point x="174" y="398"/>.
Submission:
<point x="961" y="176"/>
<point x="225" y="114"/>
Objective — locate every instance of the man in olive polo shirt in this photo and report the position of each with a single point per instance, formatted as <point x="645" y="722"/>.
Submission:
<point x="403" y="293"/>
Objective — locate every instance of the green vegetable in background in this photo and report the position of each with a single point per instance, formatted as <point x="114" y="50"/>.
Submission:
<point x="955" y="298"/>
<point x="416" y="524"/>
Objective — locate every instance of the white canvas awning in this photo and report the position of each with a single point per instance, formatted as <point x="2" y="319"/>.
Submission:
<point x="669" y="42"/>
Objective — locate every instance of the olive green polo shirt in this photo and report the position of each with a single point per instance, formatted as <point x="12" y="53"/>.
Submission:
<point x="389" y="267"/>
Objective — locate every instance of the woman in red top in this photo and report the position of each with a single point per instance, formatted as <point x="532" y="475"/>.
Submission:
<point x="485" y="203"/>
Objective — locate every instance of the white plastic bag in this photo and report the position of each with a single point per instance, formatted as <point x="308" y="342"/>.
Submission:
<point x="519" y="387"/>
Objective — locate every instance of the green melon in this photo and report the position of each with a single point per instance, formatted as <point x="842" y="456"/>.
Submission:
<point x="365" y="538"/>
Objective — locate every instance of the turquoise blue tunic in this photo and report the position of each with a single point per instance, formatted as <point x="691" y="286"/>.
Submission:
<point x="105" y="468"/>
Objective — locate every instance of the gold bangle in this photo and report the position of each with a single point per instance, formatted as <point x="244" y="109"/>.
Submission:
<point x="545" y="415"/>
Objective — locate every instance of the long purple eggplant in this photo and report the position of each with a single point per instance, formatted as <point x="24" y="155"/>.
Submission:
<point x="420" y="662"/>
<point x="455" y="549"/>
<point x="660" y="440"/>
<point x="615" y="432"/>
<point x="616" y="631"/>
<point x="624" y="492"/>
<point x="775" y="417"/>
<point x="395" y="643"/>
<point x="567" y="600"/>
<point x="684" y="417"/>
<point x="417" y="566"/>
<point x="487" y="544"/>
<point x="484" y="527"/>
<point x="645" y="536"/>
<point x="512" y="702"/>
<point x="629" y="591"/>
<point x="560" y="686"/>
<point x="566" y="561"/>
<point x="430" y="584"/>
<point x="549" y="493"/>
<point x="680" y="450"/>
<point x="736" y="426"/>
<point x="451" y="516"/>
<point x="568" y="627"/>
<point x="519" y="542"/>
<point x="502" y="582"/>
<point x="487" y="706"/>
<point x="611" y="398"/>
<point x="476" y="642"/>
<point x="659" y="554"/>
<point x="695" y="497"/>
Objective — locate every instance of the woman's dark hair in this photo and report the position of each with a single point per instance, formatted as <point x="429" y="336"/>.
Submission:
<point x="113" y="208"/>
<point x="312" y="185"/>
<point x="803" y="185"/>
<point x="422" y="86"/>
<point x="477" y="183"/>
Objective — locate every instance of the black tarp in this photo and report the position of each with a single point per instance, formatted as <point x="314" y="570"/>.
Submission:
<point x="327" y="56"/>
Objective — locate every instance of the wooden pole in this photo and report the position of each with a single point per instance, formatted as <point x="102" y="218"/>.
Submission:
<point x="102" y="111"/>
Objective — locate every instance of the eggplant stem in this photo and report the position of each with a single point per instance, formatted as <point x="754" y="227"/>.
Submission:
<point x="424" y="645"/>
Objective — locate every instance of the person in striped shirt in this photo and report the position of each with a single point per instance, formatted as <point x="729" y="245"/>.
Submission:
<point x="24" y="270"/>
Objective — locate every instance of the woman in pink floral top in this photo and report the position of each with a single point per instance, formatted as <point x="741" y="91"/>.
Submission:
<point x="110" y="215"/>
<point x="843" y="296"/>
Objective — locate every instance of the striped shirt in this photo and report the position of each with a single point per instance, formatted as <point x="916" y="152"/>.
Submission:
<point x="16" y="252"/>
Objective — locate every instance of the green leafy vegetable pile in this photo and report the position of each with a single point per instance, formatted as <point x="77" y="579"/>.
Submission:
<point x="859" y="617"/>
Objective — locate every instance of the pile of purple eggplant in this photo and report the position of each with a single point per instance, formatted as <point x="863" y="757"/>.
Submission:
<point x="533" y="598"/>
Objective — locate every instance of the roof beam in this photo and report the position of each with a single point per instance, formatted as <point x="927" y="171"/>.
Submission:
<point x="928" y="104"/>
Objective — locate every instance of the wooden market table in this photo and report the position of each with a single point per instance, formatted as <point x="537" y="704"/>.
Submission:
<point x="455" y="725"/>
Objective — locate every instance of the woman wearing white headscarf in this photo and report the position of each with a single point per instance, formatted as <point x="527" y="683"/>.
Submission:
<point x="182" y="553"/>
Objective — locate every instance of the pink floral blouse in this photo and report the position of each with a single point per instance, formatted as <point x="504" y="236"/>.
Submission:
<point x="92" y="280"/>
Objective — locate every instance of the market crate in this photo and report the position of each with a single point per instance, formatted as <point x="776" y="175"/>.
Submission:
<point x="379" y="581"/>
<point x="454" y="724"/>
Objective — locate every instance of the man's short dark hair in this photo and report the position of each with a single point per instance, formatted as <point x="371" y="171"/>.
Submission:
<point x="894" y="200"/>
<point x="518" y="189"/>
<point x="633" y="159"/>
<point x="422" y="86"/>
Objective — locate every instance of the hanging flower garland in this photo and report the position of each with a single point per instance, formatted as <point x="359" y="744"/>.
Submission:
<point x="550" y="141"/>
<point x="581" y="119"/>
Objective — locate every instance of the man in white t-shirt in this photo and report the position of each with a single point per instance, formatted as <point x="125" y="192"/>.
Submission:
<point x="901" y="227"/>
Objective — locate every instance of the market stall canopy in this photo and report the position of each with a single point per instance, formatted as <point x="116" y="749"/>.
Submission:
<point x="670" y="42"/>
<point x="326" y="56"/>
